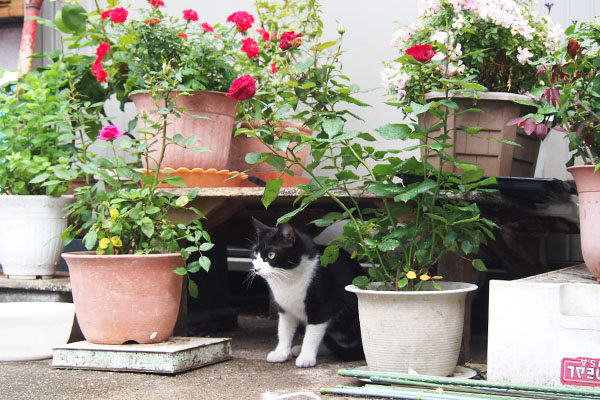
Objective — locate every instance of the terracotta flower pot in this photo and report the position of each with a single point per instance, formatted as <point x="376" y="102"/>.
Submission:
<point x="242" y="145"/>
<point x="122" y="298"/>
<point x="213" y="132"/>
<point x="588" y="190"/>
<point x="497" y="159"/>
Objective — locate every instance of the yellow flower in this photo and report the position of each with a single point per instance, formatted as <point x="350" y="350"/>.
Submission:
<point x="103" y="244"/>
<point x="424" y="277"/>
<point x="116" y="241"/>
<point x="114" y="213"/>
<point x="411" y="275"/>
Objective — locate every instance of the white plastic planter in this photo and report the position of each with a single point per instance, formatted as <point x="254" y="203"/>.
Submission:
<point x="30" y="229"/>
<point x="29" y="330"/>
<point x="420" y="331"/>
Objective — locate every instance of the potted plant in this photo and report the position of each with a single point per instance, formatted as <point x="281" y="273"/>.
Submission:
<point x="569" y="101"/>
<point x="35" y="171"/>
<point x="499" y="46"/>
<point x="422" y="212"/>
<point x="278" y="48"/>
<point x="127" y="286"/>
<point x="202" y="61"/>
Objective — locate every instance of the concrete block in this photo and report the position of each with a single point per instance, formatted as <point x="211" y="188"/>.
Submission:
<point x="171" y="357"/>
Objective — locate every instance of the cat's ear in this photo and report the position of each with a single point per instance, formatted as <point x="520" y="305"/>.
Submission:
<point x="286" y="233"/>
<point x="259" y="226"/>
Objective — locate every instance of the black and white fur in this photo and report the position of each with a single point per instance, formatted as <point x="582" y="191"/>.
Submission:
<point x="307" y="293"/>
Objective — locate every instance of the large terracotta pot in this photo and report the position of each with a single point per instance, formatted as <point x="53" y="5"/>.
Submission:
<point x="30" y="229"/>
<point x="123" y="298"/>
<point x="420" y="331"/>
<point x="213" y="132"/>
<point x="495" y="158"/>
<point x="588" y="190"/>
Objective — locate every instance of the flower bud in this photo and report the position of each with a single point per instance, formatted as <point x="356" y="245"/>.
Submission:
<point x="341" y="29"/>
<point x="573" y="48"/>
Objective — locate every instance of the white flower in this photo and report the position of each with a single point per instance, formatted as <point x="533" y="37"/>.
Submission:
<point x="440" y="37"/>
<point x="524" y="55"/>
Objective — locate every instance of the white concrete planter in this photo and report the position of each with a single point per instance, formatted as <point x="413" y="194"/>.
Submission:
<point x="420" y="330"/>
<point x="30" y="228"/>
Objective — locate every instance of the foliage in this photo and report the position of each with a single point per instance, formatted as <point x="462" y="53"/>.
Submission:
<point x="138" y="53"/>
<point x="422" y="213"/>
<point x="498" y="42"/>
<point x="125" y="211"/>
<point x="35" y="129"/>
<point x="569" y="95"/>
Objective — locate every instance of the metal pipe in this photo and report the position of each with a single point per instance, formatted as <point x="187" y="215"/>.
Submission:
<point x="390" y="376"/>
<point x="32" y="9"/>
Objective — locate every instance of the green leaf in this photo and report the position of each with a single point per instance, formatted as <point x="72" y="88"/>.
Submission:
<point x="39" y="178"/>
<point x="190" y="141"/>
<point x="192" y="288"/>
<point x="204" y="263"/>
<point x="206" y="246"/>
<point x="325" y="45"/>
<point x="180" y="271"/>
<point x="361" y="282"/>
<point x="333" y="126"/>
<point x="74" y="17"/>
<point x="479" y="265"/>
<point x="420" y="108"/>
<point x="147" y="227"/>
<point x="395" y="131"/>
<point x="252" y="158"/>
<point x="472" y="176"/>
<point x="271" y="191"/>
<point x="89" y="240"/>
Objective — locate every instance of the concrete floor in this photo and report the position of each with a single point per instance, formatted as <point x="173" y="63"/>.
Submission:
<point x="246" y="376"/>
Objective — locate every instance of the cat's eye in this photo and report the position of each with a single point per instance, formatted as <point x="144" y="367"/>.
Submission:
<point x="255" y="254"/>
<point x="271" y="255"/>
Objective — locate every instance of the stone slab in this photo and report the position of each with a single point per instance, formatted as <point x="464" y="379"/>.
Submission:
<point x="176" y="355"/>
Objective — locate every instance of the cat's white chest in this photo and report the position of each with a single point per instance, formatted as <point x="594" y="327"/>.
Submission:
<point x="290" y="290"/>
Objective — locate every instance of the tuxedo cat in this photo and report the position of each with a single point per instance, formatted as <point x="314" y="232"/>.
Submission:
<point x="307" y="293"/>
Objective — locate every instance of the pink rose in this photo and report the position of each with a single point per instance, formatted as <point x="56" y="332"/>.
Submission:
<point x="274" y="68"/>
<point x="242" y="88"/>
<point x="190" y="15"/>
<point x="206" y="27"/>
<point x="264" y="34"/>
<point x="242" y="19"/>
<point x="289" y="39"/>
<point x="157" y="3"/>
<point x="110" y="132"/>
<point x="182" y="34"/>
<point x="250" y="47"/>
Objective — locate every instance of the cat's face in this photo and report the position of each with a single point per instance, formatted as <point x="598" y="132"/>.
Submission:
<point x="274" y="250"/>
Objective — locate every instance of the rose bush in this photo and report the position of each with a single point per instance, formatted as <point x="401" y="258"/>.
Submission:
<point x="495" y="44"/>
<point x="568" y="95"/>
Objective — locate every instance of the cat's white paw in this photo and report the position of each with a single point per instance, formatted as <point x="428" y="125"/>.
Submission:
<point x="277" y="356"/>
<point x="296" y="350"/>
<point x="304" y="361"/>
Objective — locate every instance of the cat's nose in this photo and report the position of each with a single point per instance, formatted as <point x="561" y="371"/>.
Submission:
<point x="257" y="269"/>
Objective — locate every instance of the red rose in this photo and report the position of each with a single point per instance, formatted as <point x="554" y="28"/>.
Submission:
<point x="206" y="27"/>
<point x="264" y="34"/>
<point x="102" y="49"/>
<point x="289" y="39"/>
<point x="242" y="88"/>
<point x="182" y="34"/>
<point x="105" y="14"/>
<point x="118" y="15"/>
<point x="190" y="15"/>
<point x="242" y="19"/>
<point x="99" y="71"/>
<point x="250" y="47"/>
<point x="157" y="3"/>
<point x="274" y="68"/>
<point x="152" y="21"/>
<point x="421" y="52"/>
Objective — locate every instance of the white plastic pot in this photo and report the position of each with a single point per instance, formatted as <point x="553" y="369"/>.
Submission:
<point x="420" y="331"/>
<point x="30" y="229"/>
<point x="30" y="330"/>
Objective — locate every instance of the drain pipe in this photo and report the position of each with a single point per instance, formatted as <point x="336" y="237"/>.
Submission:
<point x="32" y="9"/>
